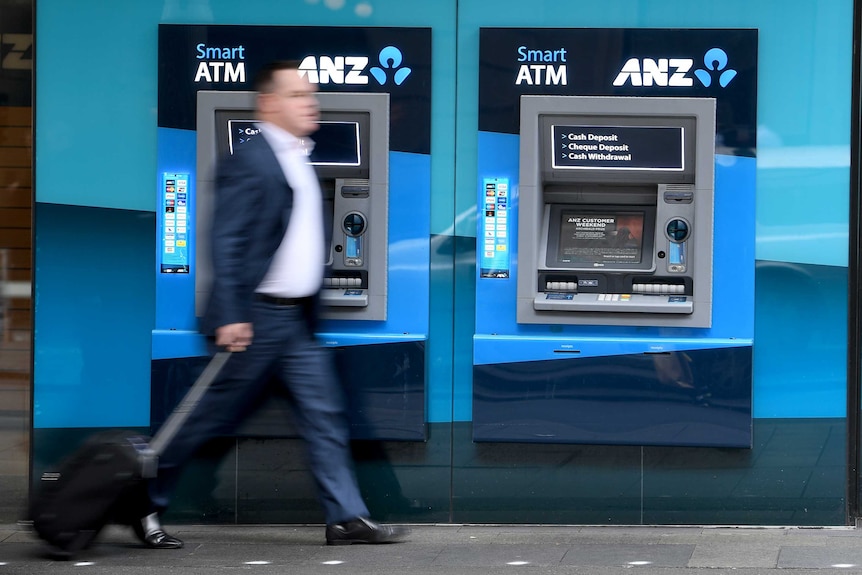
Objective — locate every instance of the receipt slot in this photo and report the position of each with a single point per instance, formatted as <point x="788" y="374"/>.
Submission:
<point x="351" y="157"/>
<point x="615" y="217"/>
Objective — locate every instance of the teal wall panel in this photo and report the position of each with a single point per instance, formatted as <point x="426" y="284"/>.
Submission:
<point x="95" y="303"/>
<point x="96" y="114"/>
<point x="95" y="123"/>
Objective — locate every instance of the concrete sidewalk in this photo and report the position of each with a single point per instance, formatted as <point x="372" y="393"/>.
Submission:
<point x="455" y="549"/>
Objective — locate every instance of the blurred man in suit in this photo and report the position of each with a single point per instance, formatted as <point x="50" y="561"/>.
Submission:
<point x="268" y="243"/>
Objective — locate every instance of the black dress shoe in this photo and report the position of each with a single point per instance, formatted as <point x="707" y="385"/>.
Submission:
<point x="149" y="530"/>
<point x="156" y="539"/>
<point x="161" y="540"/>
<point x="362" y="530"/>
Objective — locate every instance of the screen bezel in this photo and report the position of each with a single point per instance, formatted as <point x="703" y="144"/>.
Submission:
<point x="553" y="223"/>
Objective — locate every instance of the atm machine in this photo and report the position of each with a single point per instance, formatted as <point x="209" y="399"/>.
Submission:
<point x="615" y="218"/>
<point x="627" y="317"/>
<point x="367" y="328"/>
<point x="351" y="156"/>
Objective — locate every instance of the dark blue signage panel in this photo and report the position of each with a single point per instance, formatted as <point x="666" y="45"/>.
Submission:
<point x="381" y="60"/>
<point x="393" y="60"/>
<point x="613" y="384"/>
<point x="636" y="62"/>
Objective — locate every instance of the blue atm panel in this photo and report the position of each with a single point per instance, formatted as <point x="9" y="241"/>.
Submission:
<point x="374" y="172"/>
<point x="622" y="312"/>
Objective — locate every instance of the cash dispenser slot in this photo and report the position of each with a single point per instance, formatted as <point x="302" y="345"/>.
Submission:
<point x="648" y="297"/>
<point x="614" y="293"/>
<point x="345" y="289"/>
<point x="648" y="285"/>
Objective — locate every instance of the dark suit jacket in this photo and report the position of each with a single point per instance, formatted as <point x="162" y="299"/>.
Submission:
<point x="253" y="203"/>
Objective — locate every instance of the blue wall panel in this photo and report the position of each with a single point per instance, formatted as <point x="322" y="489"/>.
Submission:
<point x="94" y="314"/>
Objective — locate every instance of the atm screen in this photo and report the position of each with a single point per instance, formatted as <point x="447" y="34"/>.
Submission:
<point x="639" y="148"/>
<point x="340" y="142"/>
<point x="608" y="237"/>
<point x="240" y="131"/>
<point x="601" y="238"/>
<point x="650" y="148"/>
<point x="336" y="144"/>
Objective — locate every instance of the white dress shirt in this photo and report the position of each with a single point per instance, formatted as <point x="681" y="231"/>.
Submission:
<point x="297" y="267"/>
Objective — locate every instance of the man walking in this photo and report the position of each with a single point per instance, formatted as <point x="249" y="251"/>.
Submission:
<point x="268" y="251"/>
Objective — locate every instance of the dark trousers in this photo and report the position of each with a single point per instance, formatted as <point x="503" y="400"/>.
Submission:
<point x="284" y="348"/>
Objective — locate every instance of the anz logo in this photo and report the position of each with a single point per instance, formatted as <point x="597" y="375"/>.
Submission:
<point x="352" y="69"/>
<point x="674" y="71"/>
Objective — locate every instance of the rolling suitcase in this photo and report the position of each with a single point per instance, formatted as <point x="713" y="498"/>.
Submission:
<point x="105" y="479"/>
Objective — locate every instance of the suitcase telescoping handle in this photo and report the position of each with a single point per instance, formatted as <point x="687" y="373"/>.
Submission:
<point x="176" y="420"/>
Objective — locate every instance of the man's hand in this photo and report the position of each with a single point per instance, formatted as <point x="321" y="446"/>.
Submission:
<point x="234" y="336"/>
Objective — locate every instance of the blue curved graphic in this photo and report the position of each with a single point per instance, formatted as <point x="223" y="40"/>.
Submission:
<point x="401" y="75"/>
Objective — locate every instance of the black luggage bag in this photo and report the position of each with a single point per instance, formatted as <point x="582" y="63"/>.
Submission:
<point x="100" y="482"/>
<point x="104" y="480"/>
